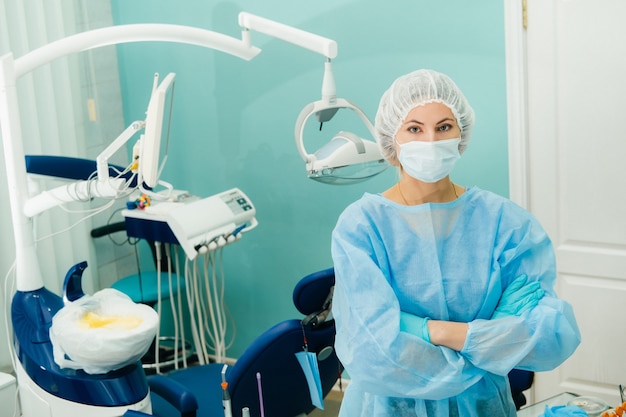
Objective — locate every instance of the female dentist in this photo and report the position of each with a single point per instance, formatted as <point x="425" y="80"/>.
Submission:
<point x="440" y="289"/>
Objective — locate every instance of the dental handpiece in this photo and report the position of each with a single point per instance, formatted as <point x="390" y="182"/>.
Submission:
<point x="228" y="412"/>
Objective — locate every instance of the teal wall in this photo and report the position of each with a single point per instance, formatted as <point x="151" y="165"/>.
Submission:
<point x="233" y="120"/>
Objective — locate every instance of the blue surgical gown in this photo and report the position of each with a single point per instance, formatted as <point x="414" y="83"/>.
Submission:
<point x="447" y="261"/>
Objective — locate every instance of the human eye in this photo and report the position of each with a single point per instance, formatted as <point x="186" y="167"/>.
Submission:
<point x="445" y="127"/>
<point x="414" y="129"/>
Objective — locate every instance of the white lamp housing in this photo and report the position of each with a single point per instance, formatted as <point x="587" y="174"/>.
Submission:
<point x="347" y="158"/>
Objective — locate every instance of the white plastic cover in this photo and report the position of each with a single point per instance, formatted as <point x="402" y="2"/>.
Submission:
<point x="102" y="332"/>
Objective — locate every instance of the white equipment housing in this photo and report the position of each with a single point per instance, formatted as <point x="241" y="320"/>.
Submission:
<point x="199" y="225"/>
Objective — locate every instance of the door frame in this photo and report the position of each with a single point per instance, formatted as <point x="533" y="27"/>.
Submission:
<point x="517" y="100"/>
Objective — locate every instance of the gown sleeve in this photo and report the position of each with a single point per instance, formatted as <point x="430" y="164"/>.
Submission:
<point x="385" y="361"/>
<point x="541" y="338"/>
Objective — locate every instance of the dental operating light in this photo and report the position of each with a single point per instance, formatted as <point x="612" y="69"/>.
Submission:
<point x="347" y="158"/>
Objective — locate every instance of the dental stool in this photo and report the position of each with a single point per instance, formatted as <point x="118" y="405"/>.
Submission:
<point x="272" y="356"/>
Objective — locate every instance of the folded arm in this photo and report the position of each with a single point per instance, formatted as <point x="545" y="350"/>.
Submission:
<point x="371" y="346"/>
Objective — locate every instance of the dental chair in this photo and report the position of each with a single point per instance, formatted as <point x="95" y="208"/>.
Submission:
<point x="272" y="356"/>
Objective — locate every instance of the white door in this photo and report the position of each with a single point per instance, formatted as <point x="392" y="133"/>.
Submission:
<point x="568" y="145"/>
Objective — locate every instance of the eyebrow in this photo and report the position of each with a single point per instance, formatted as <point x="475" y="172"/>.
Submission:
<point x="421" y="123"/>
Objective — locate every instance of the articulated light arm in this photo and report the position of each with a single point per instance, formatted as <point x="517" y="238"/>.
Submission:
<point x="133" y="33"/>
<point x="319" y="44"/>
<point x="301" y="38"/>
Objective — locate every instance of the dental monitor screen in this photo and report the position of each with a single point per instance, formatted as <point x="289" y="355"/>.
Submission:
<point x="155" y="141"/>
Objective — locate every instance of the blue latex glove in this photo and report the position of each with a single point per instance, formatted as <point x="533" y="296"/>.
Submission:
<point x="564" y="411"/>
<point x="518" y="297"/>
<point x="415" y="325"/>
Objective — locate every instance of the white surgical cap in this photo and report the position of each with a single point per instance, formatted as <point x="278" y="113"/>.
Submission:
<point x="417" y="89"/>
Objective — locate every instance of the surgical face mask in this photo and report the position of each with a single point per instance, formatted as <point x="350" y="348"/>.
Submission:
<point x="429" y="161"/>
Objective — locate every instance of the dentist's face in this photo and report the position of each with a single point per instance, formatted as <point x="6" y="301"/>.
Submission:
<point x="428" y="123"/>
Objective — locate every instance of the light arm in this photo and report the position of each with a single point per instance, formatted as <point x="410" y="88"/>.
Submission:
<point x="301" y="38"/>
<point x="133" y="33"/>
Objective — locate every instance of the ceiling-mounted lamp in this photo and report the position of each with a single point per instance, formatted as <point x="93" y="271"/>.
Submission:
<point x="347" y="158"/>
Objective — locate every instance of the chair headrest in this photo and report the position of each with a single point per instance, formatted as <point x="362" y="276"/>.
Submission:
<point x="311" y="293"/>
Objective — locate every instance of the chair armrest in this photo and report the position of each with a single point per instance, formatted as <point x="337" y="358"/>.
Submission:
<point x="174" y="393"/>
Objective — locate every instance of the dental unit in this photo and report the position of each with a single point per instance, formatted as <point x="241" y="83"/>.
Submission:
<point x="46" y="389"/>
